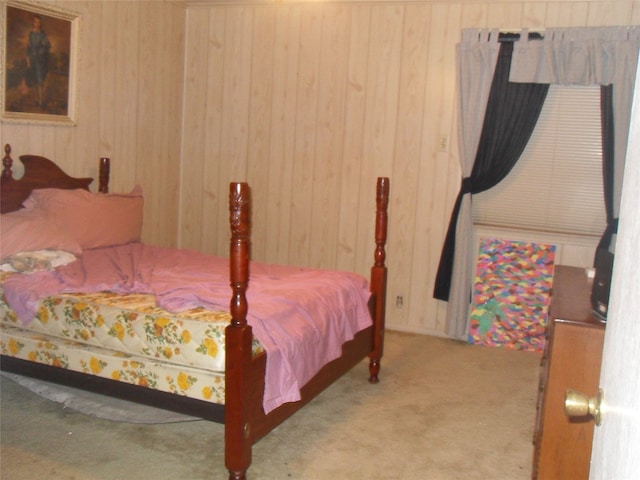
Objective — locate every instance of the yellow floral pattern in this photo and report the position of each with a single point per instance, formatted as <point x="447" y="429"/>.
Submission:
<point x="125" y="338"/>
<point x="168" y="377"/>
<point x="133" y="324"/>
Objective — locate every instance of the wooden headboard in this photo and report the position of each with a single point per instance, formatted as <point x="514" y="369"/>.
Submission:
<point x="40" y="172"/>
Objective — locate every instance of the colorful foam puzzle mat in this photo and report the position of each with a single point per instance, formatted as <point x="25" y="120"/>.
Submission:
<point x="511" y="294"/>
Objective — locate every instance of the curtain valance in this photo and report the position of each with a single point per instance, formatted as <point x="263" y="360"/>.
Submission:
<point x="577" y="56"/>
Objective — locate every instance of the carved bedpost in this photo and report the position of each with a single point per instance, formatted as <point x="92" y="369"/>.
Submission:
<point x="7" y="162"/>
<point x="103" y="178"/>
<point x="238" y="339"/>
<point x="378" y="283"/>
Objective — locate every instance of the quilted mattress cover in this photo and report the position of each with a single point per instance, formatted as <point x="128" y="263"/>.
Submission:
<point x="125" y="338"/>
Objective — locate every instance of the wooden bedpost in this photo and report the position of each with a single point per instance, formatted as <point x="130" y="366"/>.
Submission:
<point x="378" y="283"/>
<point x="103" y="178"/>
<point x="7" y="163"/>
<point x="238" y="339"/>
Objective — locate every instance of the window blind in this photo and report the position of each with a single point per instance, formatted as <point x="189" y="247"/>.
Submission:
<point x="556" y="185"/>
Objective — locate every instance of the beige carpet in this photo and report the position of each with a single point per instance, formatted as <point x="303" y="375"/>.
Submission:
<point x="443" y="410"/>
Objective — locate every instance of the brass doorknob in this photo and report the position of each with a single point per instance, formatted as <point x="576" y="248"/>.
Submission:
<point x="577" y="404"/>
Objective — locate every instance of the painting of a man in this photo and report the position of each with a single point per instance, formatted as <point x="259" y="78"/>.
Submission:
<point x="37" y="63"/>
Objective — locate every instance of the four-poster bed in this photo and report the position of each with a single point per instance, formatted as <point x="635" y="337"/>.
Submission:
<point x="163" y="365"/>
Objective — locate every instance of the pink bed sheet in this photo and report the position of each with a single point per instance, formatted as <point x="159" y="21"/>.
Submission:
<point x="301" y="316"/>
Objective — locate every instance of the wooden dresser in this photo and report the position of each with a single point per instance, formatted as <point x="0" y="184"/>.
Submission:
<point x="572" y="357"/>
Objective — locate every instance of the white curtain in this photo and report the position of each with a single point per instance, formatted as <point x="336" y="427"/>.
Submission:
<point x="477" y="55"/>
<point x="600" y="55"/>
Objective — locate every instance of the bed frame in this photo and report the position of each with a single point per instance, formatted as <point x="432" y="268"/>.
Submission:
<point x="243" y="415"/>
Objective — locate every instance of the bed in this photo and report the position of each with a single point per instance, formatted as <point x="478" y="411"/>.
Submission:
<point x="81" y="351"/>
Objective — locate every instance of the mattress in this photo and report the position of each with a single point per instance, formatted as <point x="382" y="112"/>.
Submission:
<point x="125" y="338"/>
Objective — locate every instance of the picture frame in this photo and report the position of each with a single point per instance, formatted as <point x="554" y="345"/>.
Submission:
<point x="39" y="60"/>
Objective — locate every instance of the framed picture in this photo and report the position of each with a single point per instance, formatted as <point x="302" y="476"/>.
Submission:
<point x="39" y="56"/>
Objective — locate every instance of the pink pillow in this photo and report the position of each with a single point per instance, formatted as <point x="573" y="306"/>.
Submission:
<point x="31" y="230"/>
<point x="93" y="219"/>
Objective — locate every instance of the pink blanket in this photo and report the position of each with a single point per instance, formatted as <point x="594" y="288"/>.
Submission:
<point x="300" y="316"/>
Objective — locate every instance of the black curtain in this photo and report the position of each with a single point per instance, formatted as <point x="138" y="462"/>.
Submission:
<point x="606" y="112"/>
<point x="511" y="116"/>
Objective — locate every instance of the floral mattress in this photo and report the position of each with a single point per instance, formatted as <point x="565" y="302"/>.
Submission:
<point x="126" y="338"/>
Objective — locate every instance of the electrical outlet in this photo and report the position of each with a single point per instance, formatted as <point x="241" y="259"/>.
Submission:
<point x="443" y="143"/>
<point x="399" y="301"/>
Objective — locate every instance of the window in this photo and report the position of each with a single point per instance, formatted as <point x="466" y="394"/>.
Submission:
<point x="556" y="185"/>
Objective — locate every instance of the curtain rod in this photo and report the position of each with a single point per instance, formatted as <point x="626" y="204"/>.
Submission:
<point x="514" y="37"/>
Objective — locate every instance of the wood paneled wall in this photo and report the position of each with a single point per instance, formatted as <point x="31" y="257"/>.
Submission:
<point x="310" y="101"/>
<point x="129" y="98"/>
